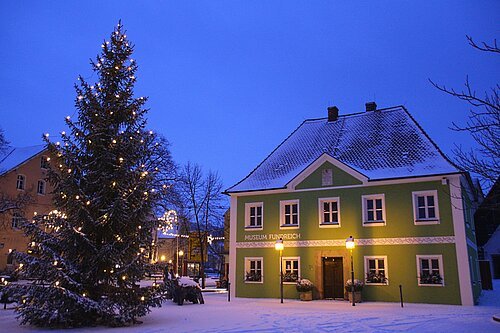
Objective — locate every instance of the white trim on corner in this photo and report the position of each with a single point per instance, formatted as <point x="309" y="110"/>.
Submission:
<point x="282" y="214"/>
<point x="439" y="257"/>
<point x="461" y="240"/>
<point x="232" y="244"/>
<point x="320" y="212"/>
<point x="427" y="221"/>
<point x="364" y="217"/>
<point x="317" y="163"/>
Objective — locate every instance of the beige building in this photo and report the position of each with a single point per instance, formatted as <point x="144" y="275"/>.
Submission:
<point x="24" y="190"/>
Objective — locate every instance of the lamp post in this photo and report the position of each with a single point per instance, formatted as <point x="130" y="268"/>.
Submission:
<point x="349" y="244"/>
<point x="180" y="253"/>
<point x="279" y="246"/>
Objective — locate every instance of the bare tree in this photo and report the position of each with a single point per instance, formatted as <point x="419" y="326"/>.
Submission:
<point x="483" y="125"/>
<point x="202" y="196"/>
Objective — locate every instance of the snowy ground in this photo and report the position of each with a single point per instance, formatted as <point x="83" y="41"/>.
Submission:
<point x="268" y="315"/>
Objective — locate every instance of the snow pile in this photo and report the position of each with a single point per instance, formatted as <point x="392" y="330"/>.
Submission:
<point x="185" y="281"/>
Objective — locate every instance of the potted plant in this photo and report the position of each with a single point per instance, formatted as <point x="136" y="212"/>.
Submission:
<point x="358" y="286"/>
<point x="304" y="287"/>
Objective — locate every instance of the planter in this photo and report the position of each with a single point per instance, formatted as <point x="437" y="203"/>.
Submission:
<point x="306" y="295"/>
<point x="357" y="297"/>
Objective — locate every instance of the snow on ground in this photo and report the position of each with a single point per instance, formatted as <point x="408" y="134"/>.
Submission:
<point x="268" y="315"/>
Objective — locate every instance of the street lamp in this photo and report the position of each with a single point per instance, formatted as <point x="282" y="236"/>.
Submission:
<point x="279" y="246"/>
<point x="179" y="254"/>
<point x="349" y="244"/>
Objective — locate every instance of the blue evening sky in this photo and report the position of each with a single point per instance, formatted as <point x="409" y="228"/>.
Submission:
<point x="229" y="80"/>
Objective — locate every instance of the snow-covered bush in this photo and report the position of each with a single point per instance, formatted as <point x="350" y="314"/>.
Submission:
<point x="358" y="285"/>
<point x="304" y="285"/>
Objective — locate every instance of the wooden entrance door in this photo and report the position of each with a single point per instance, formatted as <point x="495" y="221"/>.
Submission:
<point x="333" y="277"/>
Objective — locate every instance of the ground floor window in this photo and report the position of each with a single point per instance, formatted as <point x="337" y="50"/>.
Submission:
<point x="430" y="270"/>
<point x="253" y="270"/>
<point x="291" y="269"/>
<point x="376" y="270"/>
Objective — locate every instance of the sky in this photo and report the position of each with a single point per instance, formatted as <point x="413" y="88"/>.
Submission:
<point x="229" y="80"/>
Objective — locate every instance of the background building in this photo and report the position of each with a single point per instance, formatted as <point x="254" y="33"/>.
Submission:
<point x="24" y="191"/>
<point x="376" y="176"/>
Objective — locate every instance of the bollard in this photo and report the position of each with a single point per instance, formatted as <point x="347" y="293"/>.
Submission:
<point x="228" y="291"/>
<point x="401" y="294"/>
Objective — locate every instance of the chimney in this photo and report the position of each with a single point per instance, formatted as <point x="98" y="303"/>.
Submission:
<point x="371" y="106"/>
<point x="333" y="113"/>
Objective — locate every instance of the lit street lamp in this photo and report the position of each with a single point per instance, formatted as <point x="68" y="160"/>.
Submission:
<point x="349" y="244"/>
<point x="279" y="246"/>
<point x="179" y="254"/>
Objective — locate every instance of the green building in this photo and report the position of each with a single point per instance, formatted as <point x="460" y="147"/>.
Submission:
<point x="376" y="176"/>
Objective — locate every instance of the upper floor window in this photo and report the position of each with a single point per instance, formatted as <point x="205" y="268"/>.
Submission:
<point x="425" y="207"/>
<point x="289" y="213"/>
<point x="41" y="187"/>
<point x="253" y="270"/>
<point x="376" y="270"/>
<point x="291" y="269"/>
<point x="373" y="209"/>
<point x="44" y="162"/>
<point x="254" y="213"/>
<point x="20" y="183"/>
<point x="329" y="212"/>
<point x="430" y="270"/>
<point x="17" y="218"/>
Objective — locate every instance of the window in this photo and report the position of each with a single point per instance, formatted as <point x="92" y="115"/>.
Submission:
<point x="425" y="207"/>
<point x="327" y="177"/>
<point x="291" y="269"/>
<point x="17" y="218"/>
<point x="289" y="213"/>
<point x="430" y="270"/>
<point x="254" y="213"/>
<point x="376" y="270"/>
<point x="21" y="180"/>
<point x="373" y="209"/>
<point x="253" y="270"/>
<point x="329" y="212"/>
<point x="41" y="187"/>
<point x="44" y="162"/>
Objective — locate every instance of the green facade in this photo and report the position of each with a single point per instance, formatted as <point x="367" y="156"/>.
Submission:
<point x="401" y="259"/>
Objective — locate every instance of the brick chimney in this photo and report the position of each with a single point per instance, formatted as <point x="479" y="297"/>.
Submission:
<point x="371" y="106"/>
<point x="333" y="113"/>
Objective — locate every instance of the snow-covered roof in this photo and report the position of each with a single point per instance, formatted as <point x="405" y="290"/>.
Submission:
<point x="381" y="144"/>
<point x="16" y="156"/>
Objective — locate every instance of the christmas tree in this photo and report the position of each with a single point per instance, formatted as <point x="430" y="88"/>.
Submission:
<point x="110" y="172"/>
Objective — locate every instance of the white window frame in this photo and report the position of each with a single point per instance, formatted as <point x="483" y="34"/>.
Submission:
<point x="248" y="206"/>
<point x="43" y="188"/>
<point x="21" y="181"/>
<point x="282" y="214"/>
<point x="247" y="269"/>
<point x="367" y="269"/>
<point x="284" y="259"/>
<point x="375" y="223"/>
<point x="323" y="224"/>
<point x="425" y="221"/>
<point x="439" y="257"/>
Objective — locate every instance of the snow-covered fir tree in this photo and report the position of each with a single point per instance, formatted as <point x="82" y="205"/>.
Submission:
<point x="88" y="256"/>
